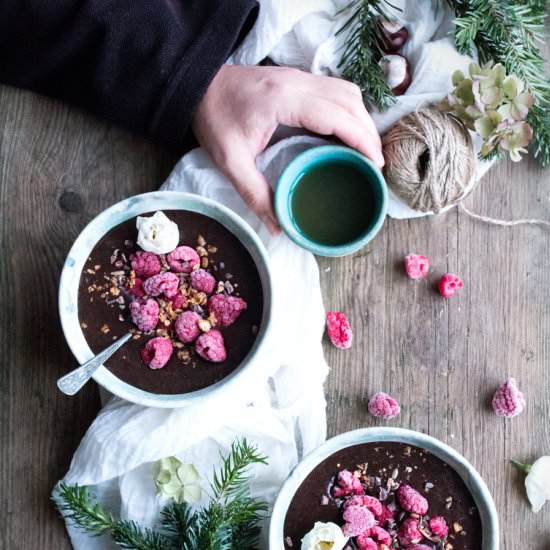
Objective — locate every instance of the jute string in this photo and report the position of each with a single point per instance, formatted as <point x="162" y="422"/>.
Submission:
<point x="430" y="163"/>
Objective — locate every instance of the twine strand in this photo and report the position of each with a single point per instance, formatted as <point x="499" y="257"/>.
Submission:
<point x="504" y="223"/>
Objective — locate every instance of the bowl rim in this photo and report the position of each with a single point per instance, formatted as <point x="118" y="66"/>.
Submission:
<point x="473" y="480"/>
<point x="113" y="216"/>
<point x="287" y="178"/>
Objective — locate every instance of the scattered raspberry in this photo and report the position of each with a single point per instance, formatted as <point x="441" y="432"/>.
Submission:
<point x="187" y="327"/>
<point x="408" y="532"/>
<point x="419" y="547"/>
<point x="178" y="301"/>
<point x="210" y="346"/>
<point x="411" y="500"/>
<point x="449" y="285"/>
<point x="508" y="401"/>
<point x="203" y="281"/>
<point x="157" y="352"/>
<point x="226" y="309"/>
<point x="366" y="543"/>
<point x="338" y="330"/>
<point x="383" y="405"/>
<point x="137" y="289"/>
<point x="417" y="266"/>
<point x="385" y="516"/>
<point x="347" y="484"/>
<point x="370" y="503"/>
<point x="164" y="283"/>
<point x="145" y="314"/>
<point x="439" y="526"/>
<point x="183" y="259"/>
<point x="358" y="519"/>
<point x="145" y="264"/>
<point x="379" y="535"/>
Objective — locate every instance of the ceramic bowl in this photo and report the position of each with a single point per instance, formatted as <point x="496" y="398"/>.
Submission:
<point x="120" y="212"/>
<point x="315" y="157"/>
<point x="473" y="481"/>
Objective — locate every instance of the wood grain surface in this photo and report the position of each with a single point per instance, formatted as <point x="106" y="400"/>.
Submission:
<point x="441" y="358"/>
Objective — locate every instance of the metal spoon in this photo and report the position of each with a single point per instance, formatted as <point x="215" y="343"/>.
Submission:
<point x="74" y="380"/>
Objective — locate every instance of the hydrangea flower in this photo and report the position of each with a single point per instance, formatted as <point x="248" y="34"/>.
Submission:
<point x="178" y="481"/>
<point x="537" y="482"/>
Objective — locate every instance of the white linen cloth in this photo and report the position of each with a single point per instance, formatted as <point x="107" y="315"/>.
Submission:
<point x="283" y="409"/>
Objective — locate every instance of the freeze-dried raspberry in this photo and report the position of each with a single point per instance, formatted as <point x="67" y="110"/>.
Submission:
<point x="379" y="535"/>
<point x="416" y="266"/>
<point x="145" y="314"/>
<point x="338" y="329"/>
<point x="163" y="283"/>
<point x="371" y="503"/>
<point x="347" y="484"/>
<point x="385" y="516"/>
<point x="411" y="500"/>
<point x="183" y="259"/>
<point x="210" y="346"/>
<point x="145" y="264"/>
<point x="187" y="327"/>
<point x="419" y="547"/>
<point x="439" y="527"/>
<point x="137" y="288"/>
<point x="226" y="309"/>
<point x="203" y="281"/>
<point x="408" y="532"/>
<point x="383" y="405"/>
<point x="508" y="401"/>
<point x="178" y="301"/>
<point x="366" y="543"/>
<point x="449" y="285"/>
<point x="358" y="519"/>
<point x="157" y="352"/>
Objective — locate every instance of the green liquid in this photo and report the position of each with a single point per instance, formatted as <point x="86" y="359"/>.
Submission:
<point x="333" y="204"/>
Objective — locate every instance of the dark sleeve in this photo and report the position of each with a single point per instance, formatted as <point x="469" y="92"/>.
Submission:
<point x="142" y="64"/>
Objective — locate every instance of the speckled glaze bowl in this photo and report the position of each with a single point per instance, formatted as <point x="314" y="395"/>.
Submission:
<point x="473" y="481"/>
<point x="113" y="216"/>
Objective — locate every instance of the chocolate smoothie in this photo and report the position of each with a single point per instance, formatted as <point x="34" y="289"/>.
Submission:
<point x="383" y="468"/>
<point x="104" y="314"/>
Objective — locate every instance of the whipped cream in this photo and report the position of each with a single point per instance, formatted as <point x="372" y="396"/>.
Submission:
<point x="324" y="536"/>
<point x="157" y="233"/>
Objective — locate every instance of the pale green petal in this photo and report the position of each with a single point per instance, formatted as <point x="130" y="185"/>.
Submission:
<point x="498" y="74"/>
<point x="491" y="96"/>
<point x="171" y="488"/>
<point x="164" y="476"/>
<point x="457" y="77"/>
<point x="473" y="113"/>
<point x="464" y="92"/>
<point x="511" y="86"/>
<point x="192" y="493"/>
<point x="484" y="126"/>
<point x="188" y="474"/>
<point x="515" y="154"/>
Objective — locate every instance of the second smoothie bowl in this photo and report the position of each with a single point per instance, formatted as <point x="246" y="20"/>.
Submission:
<point x="187" y="277"/>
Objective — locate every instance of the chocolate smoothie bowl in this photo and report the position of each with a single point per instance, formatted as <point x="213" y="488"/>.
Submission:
<point x="187" y="278"/>
<point x="384" y="489"/>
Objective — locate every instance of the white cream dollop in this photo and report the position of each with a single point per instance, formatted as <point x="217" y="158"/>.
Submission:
<point x="324" y="536"/>
<point x="537" y="483"/>
<point x="157" y="233"/>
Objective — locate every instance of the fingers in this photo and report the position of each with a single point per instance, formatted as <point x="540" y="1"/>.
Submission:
<point x="239" y="166"/>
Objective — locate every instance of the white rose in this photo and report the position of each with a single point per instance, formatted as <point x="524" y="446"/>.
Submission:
<point x="537" y="483"/>
<point x="324" y="536"/>
<point x="157" y="233"/>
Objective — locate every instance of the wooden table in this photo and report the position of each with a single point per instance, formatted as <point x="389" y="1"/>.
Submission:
<point x="441" y="358"/>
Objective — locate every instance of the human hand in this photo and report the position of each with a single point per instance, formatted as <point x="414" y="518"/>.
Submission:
<point x="243" y="107"/>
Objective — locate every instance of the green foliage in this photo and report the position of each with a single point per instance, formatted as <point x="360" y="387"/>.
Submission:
<point x="231" y="521"/>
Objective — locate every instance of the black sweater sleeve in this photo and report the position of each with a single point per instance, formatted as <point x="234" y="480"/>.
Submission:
<point x="143" y="64"/>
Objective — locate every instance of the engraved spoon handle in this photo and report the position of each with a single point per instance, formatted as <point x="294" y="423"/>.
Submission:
<point x="74" y="380"/>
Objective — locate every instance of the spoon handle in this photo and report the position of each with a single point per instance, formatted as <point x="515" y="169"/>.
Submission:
<point x="74" y="380"/>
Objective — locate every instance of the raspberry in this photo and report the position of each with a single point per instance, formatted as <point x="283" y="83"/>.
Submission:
<point x="137" y="288"/>
<point x="371" y="503"/>
<point x="203" y="281"/>
<point x="183" y="259"/>
<point x="383" y="405"/>
<point x="145" y="314"/>
<point x="419" y="547"/>
<point x="449" y="285"/>
<point x="178" y="301"/>
<point x="226" y="309"/>
<point x="338" y="330"/>
<point x="164" y="283"/>
<point x="157" y="352"/>
<point x="508" y="401"/>
<point x="186" y="326"/>
<point x="408" y="532"/>
<point x="366" y="543"/>
<point x="439" y="527"/>
<point x="145" y="264"/>
<point x="347" y="484"/>
<point x="416" y="266"/>
<point x="411" y="500"/>
<point x="379" y="535"/>
<point x="358" y="519"/>
<point x="385" y="516"/>
<point x="210" y="346"/>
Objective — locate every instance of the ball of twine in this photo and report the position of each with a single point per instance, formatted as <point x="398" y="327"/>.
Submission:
<point x="430" y="159"/>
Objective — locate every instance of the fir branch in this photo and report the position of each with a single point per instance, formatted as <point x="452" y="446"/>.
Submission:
<point x="363" y="49"/>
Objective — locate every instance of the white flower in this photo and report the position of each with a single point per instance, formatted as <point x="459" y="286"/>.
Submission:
<point x="324" y="536"/>
<point x="537" y="483"/>
<point x="177" y="481"/>
<point x="157" y="233"/>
